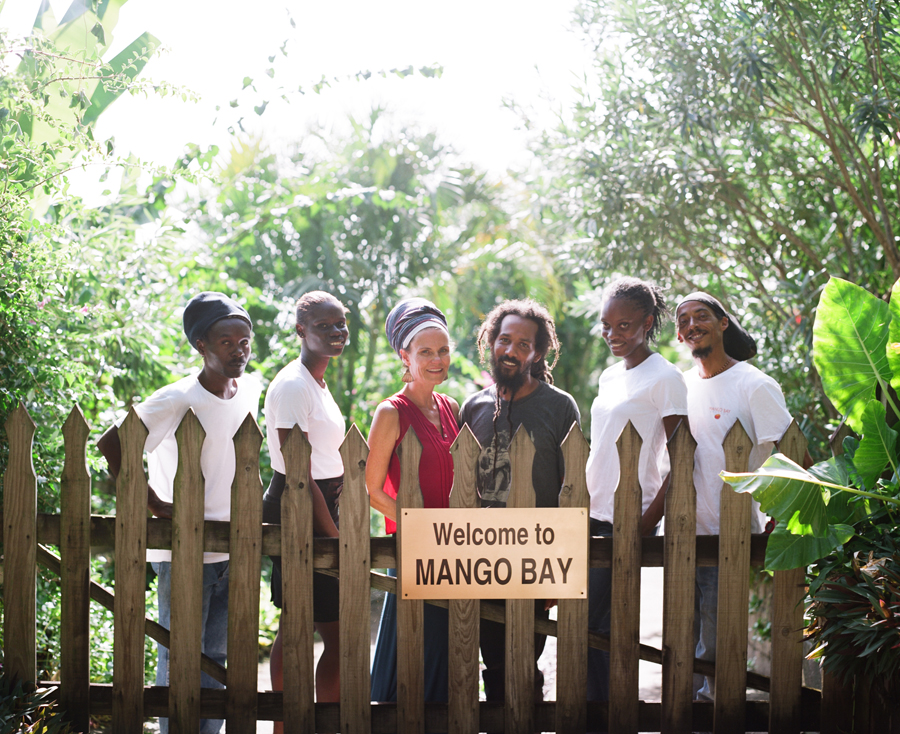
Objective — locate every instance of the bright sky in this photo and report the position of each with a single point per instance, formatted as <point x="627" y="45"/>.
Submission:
<point x="490" y="50"/>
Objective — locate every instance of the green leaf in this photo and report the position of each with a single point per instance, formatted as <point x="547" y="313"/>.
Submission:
<point x="247" y="82"/>
<point x="850" y="338"/>
<point x="129" y="62"/>
<point x="878" y="447"/>
<point x="787" y="492"/>
<point x="893" y="346"/>
<point x="785" y="550"/>
<point x="99" y="33"/>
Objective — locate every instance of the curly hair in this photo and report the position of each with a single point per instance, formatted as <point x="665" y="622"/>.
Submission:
<point x="545" y="341"/>
<point x="310" y="300"/>
<point x="646" y="296"/>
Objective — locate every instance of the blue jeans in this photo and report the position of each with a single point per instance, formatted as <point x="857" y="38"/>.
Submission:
<point x="706" y="599"/>
<point x="599" y="603"/>
<point x="215" y="628"/>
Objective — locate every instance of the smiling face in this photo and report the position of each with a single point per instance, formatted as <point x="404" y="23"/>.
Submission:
<point x="700" y="329"/>
<point x="514" y="351"/>
<point x="226" y="347"/>
<point x="624" y="327"/>
<point x="428" y="356"/>
<point x="324" y="329"/>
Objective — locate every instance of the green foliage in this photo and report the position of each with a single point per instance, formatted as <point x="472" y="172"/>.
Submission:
<point x="745" y="148"/>
<point x="845" y="511"/>
<point x="23" y="709"/>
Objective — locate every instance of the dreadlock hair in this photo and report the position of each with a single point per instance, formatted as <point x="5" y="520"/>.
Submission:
<point x="310" y="300"/>
<point x="646" y="296"/>
<point x="545" y="340"/>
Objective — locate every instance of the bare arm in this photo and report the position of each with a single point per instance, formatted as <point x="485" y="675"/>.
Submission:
<point x="383" y="437"/>
<point x="650" y="519"/>
<point x="323" y="524"/>
<point x="111" y="448"/>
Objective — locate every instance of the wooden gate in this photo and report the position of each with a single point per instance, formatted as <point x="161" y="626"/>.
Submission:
<point x="74" y="530"/>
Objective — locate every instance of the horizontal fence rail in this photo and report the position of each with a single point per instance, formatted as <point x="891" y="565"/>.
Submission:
<point x="790" y="708"/>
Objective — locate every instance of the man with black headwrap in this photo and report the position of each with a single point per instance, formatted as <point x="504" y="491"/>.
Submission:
<point x="722" y="389"/>
<point x="221" y="396"/>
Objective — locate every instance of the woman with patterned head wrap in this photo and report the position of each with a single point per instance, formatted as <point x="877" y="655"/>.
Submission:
<point x="417" y="330"/>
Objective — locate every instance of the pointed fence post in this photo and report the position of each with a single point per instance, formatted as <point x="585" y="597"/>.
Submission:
<point x="355" y="564"/>
<point x="518" y="712"/>
<point x="20" y="550"/>
<point x="131" y="560"/>
<point x="680" y="570"/>
<point x="464" y="613"/>
<point x="410" y="612"/>
<point x="572" y="615"/>
<point x="244" y="563"/>
<point x="186" y="628"/>
<point x="625" y="618"/>
<point x="734" y="590"/>
<point x="787" y="624"/>
<point x="75" y="573"/>
<point x="299" y="711"/>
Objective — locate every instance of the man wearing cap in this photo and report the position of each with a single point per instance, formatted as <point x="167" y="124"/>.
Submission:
<point x="221" y="396"/>
<point x="722" y="389"/>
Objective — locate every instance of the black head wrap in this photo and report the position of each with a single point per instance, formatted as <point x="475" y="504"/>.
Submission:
<point x="408" y="318"/>
<point x="736" y="340"/>
<point x="205" y="309"/>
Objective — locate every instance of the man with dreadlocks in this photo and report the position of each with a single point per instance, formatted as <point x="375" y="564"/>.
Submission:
<point x="518" y="335"/>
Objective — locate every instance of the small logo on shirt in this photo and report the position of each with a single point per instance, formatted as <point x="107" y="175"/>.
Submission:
<point x="719" y="412"/>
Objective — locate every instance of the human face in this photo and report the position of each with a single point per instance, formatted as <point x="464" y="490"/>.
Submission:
<point x="699" y="328"/>
<point x="324" y="330"/>
<point x="428" y="356"/>
<point x="514" y="351"/>
<point x="226" y="348"/>
<point x="624" y="327"/>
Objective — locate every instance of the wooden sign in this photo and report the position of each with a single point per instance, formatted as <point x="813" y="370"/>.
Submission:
<point x="497" y="553"/>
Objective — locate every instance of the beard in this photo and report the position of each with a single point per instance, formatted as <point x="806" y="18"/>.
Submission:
<point x="504" y="380"/>
<point x="701" y="352"/>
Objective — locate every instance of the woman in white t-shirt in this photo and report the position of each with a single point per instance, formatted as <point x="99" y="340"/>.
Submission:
<point x="649" y="391"/>
<point x="299" y="396"/>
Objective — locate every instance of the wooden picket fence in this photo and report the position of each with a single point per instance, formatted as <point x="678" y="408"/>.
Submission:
<point x="790" y="707"/>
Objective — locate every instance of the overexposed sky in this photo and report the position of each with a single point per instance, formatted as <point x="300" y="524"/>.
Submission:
<point x="490" y="50"/>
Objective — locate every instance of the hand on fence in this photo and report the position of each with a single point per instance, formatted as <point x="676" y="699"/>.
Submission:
<point x="157" y="506"/>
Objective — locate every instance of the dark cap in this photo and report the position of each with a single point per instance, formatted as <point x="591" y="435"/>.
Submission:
<point x="736" y="340"/>
<point x="207" y="308"/>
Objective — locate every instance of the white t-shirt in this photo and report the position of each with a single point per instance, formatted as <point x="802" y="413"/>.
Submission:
<point x="742" y="393"/>
<point x="162" y="412"/>
<point x="295" y="398"/>
<point x="643" y="395"/>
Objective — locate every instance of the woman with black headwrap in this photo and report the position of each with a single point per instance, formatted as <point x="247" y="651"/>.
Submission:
<point x="417" y="330"/>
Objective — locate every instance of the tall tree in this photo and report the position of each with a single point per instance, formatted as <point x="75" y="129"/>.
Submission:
<point x="739" y="146"/>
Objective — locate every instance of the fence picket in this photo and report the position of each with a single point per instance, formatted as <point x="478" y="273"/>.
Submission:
<point x="75" y="576"/>
<point x="518" y="710"/>
<point x="462" y="691"/>
<point x="734" y="590"/>
<point x="355" y="564"/>
<point x="678" y="586"/>
<point x="410" y="612"/>
<point x="299" y="711"/>
<point x="20" y="549"/>
<point x="787" y="624"/>
<point x="625" y="616"/>
<point x="130" y="578"/>
<point x="186" y="632"/>
<point x="572" y="615"/>
<point x="244" y="562"/>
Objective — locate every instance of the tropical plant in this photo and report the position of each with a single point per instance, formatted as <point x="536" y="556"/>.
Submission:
<point x="26" y="710"/>
<point x="841" y="516"/>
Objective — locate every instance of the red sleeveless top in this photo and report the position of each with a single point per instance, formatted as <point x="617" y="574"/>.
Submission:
<point x="436" y="465"/>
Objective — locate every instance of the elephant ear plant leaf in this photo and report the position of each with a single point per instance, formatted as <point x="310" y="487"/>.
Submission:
<point x="841" y="518"/>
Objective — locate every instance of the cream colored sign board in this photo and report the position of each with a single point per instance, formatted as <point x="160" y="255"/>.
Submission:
<point x="496" y="553"/>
